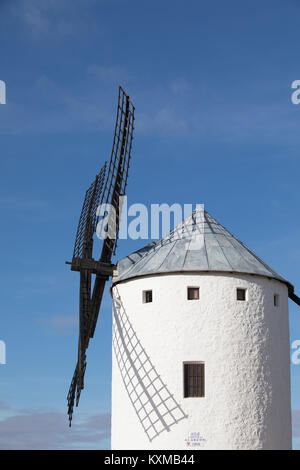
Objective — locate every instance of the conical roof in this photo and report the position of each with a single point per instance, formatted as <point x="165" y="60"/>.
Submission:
<point x="199" y="243"/>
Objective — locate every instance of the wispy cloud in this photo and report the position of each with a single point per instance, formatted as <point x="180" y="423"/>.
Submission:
<point x="183" y="108"/>
<point x="34" y="429"/>
<point x="18" y="203"/>
<point x="176" y="108"/>
<point x="59" y="324"/>
<point x="57" y="109"/>
<point x="111" y="74"/>
<point x="4" y="406"/>
<point x="164" y="120"/>
<point x="55" y="18"/>
<point x="37" y="284"/>
<point x="83" y="106"/>
<point x="296" y="423"/>
<point x="179" y="85"/>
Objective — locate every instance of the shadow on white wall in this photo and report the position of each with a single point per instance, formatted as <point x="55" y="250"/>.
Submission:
<point x="154" y="404"/>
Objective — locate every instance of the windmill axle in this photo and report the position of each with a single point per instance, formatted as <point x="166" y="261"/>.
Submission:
<point x="95" y="267"/>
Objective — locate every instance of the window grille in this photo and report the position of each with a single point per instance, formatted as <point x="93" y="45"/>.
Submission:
<point x="194" y="379"/>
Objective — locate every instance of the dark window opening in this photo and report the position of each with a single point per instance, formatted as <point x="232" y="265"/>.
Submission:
<point x="194" y="380"/>
<point x="193" y="293"/>
<point x="241" y="294"/>
<point x="276" y="300"/>
<point x="147" y="296"/>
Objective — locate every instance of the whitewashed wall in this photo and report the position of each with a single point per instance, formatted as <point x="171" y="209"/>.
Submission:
<point x="245" y="347"/>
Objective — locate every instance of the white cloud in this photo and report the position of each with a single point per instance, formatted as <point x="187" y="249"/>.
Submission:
<point x="179" y="86"/>
<point x="37" y="429"/>
<point x="176" y="108"/>
<point x="34" y="18"/>
<point x="55" y="17"/>
<point x="110" y="74"/>
<point x="22" y="203"/>
<point x="163" y="120"/>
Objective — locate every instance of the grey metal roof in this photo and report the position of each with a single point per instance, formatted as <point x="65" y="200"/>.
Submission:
<point x="199" y="243"/>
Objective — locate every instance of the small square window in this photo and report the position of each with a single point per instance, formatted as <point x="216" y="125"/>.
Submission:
<point x="193" y="293"/>
<point x="241" y="294"/>
<point x="147" y="296"/>
<point x="276" y="300"/>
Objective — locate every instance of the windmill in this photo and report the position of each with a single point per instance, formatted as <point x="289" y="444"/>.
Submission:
<point x="197" y="283"/>
<point x="108" y="186"/>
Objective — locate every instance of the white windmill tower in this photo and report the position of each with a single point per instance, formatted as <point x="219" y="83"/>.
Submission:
<point x="200" y="345"/>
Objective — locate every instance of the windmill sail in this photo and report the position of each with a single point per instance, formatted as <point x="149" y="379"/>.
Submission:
<point x="108" y="193"/>
<point x="115" y="187"/>
<point x="83" y="250"/>
<point x="88" y="219"/>
<point x="294" y="297"/>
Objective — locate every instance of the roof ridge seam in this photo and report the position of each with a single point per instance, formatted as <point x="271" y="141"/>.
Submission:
<point x="172" y="247"/>
<point x="186" y="254"/>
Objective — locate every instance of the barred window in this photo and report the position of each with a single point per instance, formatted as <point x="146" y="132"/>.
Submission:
<point x="193" y="293"/>
<point x="194" y="379"/>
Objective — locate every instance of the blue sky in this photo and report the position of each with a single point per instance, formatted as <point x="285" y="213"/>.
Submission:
<point x="211" y="82"/>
